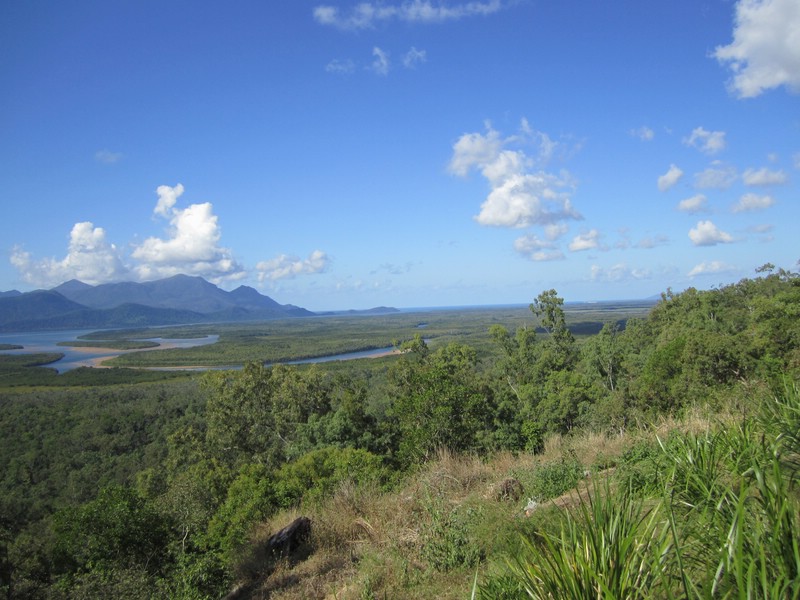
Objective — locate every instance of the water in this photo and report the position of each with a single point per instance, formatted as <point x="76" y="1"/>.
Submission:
<point x="344" y="356"/>
<point x="46" y="341"/>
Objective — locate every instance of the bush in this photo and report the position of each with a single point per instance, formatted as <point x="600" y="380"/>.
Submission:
<point x="315" y="476"/>
<point x="551" y="479"/>
<point x="447" y="543"/>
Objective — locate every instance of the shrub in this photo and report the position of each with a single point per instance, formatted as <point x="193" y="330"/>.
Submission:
<point x="551" y="479"/>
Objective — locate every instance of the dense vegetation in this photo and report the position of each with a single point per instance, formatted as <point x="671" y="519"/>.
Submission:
<point x="415" y="468"/>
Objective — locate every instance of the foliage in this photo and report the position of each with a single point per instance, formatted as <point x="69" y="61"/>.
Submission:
<point x="314" y="476"/>
<point x="118" y="529"/>
<point x="447" y="543"/>
<point x="551" y="479"/>
<point x="610" y="546"/>
<point x="250" y="498"/>
<point x="724" y="522"/>
<point x="438" y="401"/>
<point x="254" y="414"/>
<point x="129" y="483"/>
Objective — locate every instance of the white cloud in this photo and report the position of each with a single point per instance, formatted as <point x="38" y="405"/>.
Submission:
<point x="289" y="267"/>
<point x="191" y="246"/>
<point x="765" y="51"/>
<point x="90" y="258"/>
<point x="711" y="267"/>
<point x="763" y="177"/>
<point x="753" y="202"/>
<point x="414" y="57"/>
<point x="718" y="176"/>
<point x="475" y="149"/>
<point x="553" y="231"/>
<point x="107" y="157"/>
<point x="537" y="250"/>
<point x="343" y="67"/>
<point x="522" y="192"/>
<point x="696" y="204"/>
<point x="763" y="228"/>
<point x="708" y="234"/>
<point x="643" y="133"/>
<point x="670" y="178"/>
<point x="167" y="197"/>
<point x="650" y="242"/>
<point x="366" y="15"/>
<point x="618" y="272"/>
<point x="587" y="240"/>
<point x="709" y="142"/>
<point x="380" y="64"/>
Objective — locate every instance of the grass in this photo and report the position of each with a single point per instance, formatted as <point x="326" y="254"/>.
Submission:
<point x="719" y="518"/>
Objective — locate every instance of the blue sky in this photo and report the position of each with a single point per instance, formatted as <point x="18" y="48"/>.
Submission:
<point x="408" y="153"/>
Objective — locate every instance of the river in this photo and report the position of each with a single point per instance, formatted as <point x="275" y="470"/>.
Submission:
<point x="74" y="357"/>
<point x="47" y="341"/>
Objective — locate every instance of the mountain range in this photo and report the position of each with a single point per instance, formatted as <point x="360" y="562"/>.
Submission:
<point x="176" y="300"/>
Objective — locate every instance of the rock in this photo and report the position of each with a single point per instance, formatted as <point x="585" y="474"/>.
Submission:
<point x="290" y="537"/>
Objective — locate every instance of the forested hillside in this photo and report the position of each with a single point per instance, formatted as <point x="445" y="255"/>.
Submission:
<point x="416" y="474"/>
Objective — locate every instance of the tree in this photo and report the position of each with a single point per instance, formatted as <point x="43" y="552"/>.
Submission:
<point x="250" y="499"/>
<point x="117" y="530"/>
<point x="560" y="352"/>
<point x="438" y="402"/>
<point x="603" y="354"/>
<point x="254" y="414"/>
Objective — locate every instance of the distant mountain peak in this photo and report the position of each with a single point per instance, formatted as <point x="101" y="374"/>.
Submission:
<point x="73" y="285"/>
<point x="176" y="299"/>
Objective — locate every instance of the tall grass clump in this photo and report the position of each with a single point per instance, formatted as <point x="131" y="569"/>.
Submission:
<point x="714" y="514"/>
<point x="611" y="545"/>
<point x="734" y="508"/>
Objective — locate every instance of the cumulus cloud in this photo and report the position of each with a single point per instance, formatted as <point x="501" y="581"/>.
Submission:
<point x="711" y="267"/>
<point x="289" y="267"/>
<point x="708" y="234"/>
<point x="90" y="258"/>
<point x="764" y="177"/>
<point x="670" y="178"/>
<point x="366" y="15"/>
<point x="696" y="204"/>
<point x="709" y="142"/>
<point x="380" y="62"/>
<point x="521" y="193"/>
<point x="643" y="133"/>
<point x="753" y="202"/>
<point x="718" y="176"/>
<point x="650" y="242"/>
<point x="553" y="231"/>
<point x="537" y="250"/>
<point x="588" y="240"/>
<point x="618" y="272"/>
<point x="191" y="246"/>
<point x="765" y="51"/>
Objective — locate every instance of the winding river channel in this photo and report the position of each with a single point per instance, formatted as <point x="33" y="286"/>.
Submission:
<point x="74" y="357"/>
